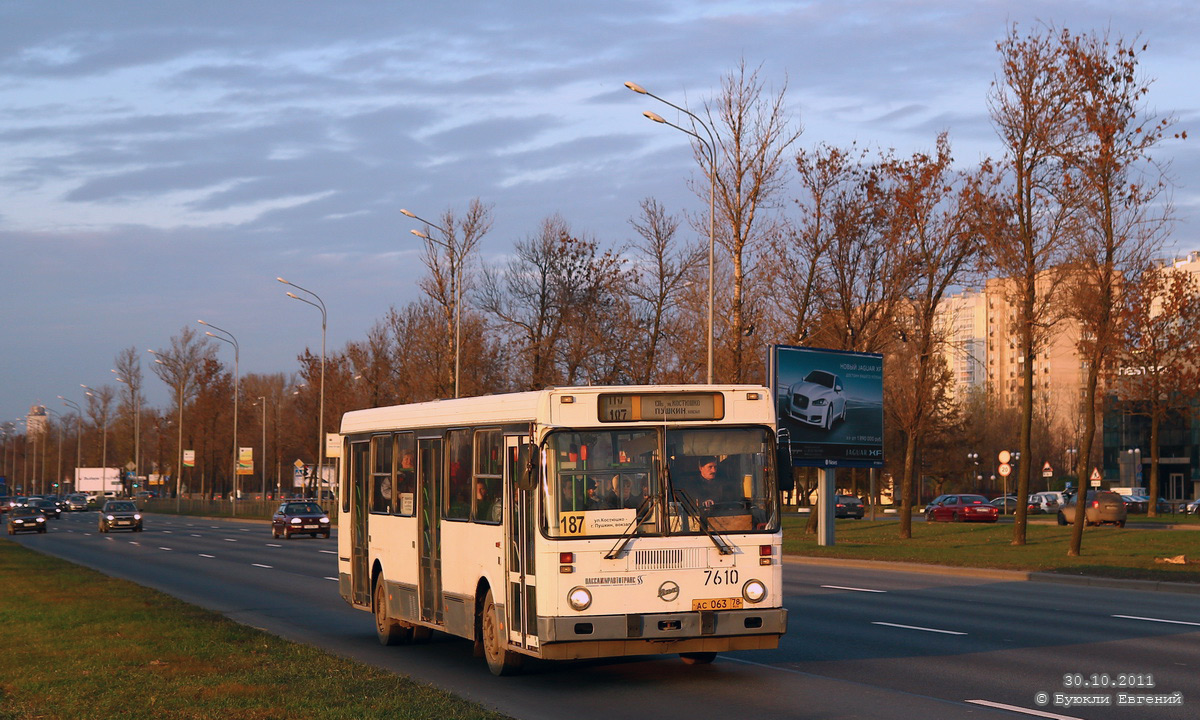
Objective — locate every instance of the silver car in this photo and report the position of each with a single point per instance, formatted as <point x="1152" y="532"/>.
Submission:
<point x="817" y="399"/>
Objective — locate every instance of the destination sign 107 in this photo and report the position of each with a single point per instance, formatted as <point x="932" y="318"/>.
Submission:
<point x="632" y="407"/>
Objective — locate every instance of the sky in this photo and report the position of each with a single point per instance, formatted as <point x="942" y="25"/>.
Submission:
<point x="164" y="162"/>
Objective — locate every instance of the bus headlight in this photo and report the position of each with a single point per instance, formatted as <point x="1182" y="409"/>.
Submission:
<point x="579" y="598"/>
<point x="754" y="591"/>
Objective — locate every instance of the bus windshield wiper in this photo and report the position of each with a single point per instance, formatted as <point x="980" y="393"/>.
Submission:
<point x="689" y="505"/>
<point x="643" y="512"/>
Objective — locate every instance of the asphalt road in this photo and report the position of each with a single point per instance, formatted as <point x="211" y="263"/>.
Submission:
<point x="861" y="643"/>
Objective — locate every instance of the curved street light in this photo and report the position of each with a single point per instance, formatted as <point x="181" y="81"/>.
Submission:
<point x="78" y="435"/>
<point x="228" y="337"/>
<point x="711" y="147"/>
<point x="455" y="272"/>
<point x="320" y="305"/>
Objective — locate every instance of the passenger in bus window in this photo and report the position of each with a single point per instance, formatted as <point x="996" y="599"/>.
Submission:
<point x="632" y="490"/>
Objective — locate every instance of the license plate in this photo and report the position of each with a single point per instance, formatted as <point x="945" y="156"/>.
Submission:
<point x="310" y="527"/>
<point x="718" y="604"/>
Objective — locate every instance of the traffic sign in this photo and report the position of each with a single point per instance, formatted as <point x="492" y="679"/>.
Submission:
<point x="1096" y="474"/>
<point x="1047" y="471"/>
<point x="1005" y="469"/>
<point x="1005" y="456"/>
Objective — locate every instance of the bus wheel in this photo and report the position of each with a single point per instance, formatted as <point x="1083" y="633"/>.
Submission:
<point x="697" y="658"/>
<point x="500" y="660"/>
<point x="389" y="631"/>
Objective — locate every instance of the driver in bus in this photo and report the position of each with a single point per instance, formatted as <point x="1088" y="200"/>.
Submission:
<point x="707" y="490"/>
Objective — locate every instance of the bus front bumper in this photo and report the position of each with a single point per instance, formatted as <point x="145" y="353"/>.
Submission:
<point x="563" y="638"/>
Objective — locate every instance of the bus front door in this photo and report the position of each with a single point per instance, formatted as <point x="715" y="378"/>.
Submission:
<point x="429" y="477"/>
<point x="521" y="605"/>
<point x="360" y="575"/>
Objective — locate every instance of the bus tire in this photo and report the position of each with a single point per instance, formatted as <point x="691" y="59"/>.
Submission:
<point x="500" y="660"/>
<point x="697" y="658"/>
<point x="389" y="631"/>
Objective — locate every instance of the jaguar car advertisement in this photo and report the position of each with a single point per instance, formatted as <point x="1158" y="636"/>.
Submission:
<point x="829" y="406"/>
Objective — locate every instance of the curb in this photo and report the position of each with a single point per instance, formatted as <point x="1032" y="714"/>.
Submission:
<point x="1006" y="575"/>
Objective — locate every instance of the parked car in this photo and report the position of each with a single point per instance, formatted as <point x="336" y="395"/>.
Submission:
<point x="817" y="399"/>
<point x="299" y="517"/>
<point x="936" y="501"/>
<point x="1101" y="507"/>
<point x="963" y="508"/>
<point x="26" y="519"/>
<point x="1140" y="503"/>
<point x="120" y="515"/>
<point x="848" y="506"/>
<point x="1190" y="508"/>
<point x="1007" y="504"/>
<point x="1047" y="502"/>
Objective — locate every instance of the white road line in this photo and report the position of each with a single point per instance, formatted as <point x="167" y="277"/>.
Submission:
<point x="1026" y="711"/>
<point x="331" y="578"/>
<point x="923" y="629"/>
<point x="207" y="556"/>
<point x="164" y="548"/>
<point x="134" y="542"/>
<point x="841" y="587"/>
<point x="230" y="540"/>
<point x="195" y="535"/>
<point x="328" y="552"/>
<point x="168" y="532"/>
<point x="1158" y="620"/>
<point x="262" y="566"/>
<point x="273" y="545"/>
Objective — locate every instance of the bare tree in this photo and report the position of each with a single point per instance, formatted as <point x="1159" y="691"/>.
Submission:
<point x="931" y="217"/>
<point x="753" y="134"/>
<point x="661" y="265"/>
<point x="1031" y="108"/>
<point x="178" y="367"/>
<point x="128" y="370"/>
<point x="1157" y="373"/>
<point x="1121" y="221"/>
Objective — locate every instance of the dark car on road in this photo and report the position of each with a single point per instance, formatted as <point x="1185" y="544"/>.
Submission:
<point x="48" y="507"/>
<point x="962" y="508"/>
<point x="848" y="506"/>
<point x="299" y="517"/>
<point x="120" y="515"/>
<point x="26" y="519"/>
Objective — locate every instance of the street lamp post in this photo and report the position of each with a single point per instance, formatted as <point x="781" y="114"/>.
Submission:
<point x="262" y="402"/>
<point x="320" y="305"/>
<point x="974" y="457"/>
<point x="91" y="392"/>
<point x="455" y="277"/>
<point x="711" y="146"/>
<point x="228" y="337"/>
<point x="78" y="437"/>
<point x="137" y="423"/>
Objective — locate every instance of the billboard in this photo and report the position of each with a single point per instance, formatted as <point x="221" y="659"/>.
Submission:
<point x="829" y="405"/>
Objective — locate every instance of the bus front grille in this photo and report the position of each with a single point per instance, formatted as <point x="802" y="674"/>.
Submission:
<point x="673" y="559"/>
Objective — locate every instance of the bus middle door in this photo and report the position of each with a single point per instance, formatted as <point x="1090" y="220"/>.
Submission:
<point x="429" y="538"/>
<point x="521" y="521"/>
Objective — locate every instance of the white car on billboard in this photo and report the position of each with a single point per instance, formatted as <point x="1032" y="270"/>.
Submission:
<point x="817" y="399"/>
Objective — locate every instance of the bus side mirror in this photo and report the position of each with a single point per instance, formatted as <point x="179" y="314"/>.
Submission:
<point x="528" y="476"/>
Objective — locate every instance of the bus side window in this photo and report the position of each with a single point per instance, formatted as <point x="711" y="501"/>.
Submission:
<point x="458" y="478"/>
<point x="488" y="482"/>
<point x="406" y="474"/>
<point x="381" y="474"/>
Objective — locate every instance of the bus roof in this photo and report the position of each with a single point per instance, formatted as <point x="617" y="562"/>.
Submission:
<point x="522" y="407"/>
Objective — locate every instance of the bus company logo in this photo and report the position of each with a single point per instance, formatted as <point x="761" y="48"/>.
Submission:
<point x="668" y="591"/>
<point x="618" y="581"/>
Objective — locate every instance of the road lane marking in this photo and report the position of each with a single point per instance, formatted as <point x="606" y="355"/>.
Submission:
<point x="164" y="548"/>
<point x="134" y="542"/>
<point x="195" y="535"/>
<point x="331" y="578"/>
<point x="842" y="587"/>
<point x="916" y="627"/>
<point x="168" y="531"/>
<point x="273" y="545"/>
<point x="262" y="566"/>
<point x="230" y="540"/>
<point x="207" y="556"/>
<point x="1159" y="620"/>
<point x="1026" y="711"/>
<point x="329" y="552"/>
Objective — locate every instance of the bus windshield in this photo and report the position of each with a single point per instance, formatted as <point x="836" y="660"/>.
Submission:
<point x="598" y="481"/>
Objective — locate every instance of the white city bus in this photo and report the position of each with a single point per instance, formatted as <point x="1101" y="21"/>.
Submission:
<point x="567" y="523"/>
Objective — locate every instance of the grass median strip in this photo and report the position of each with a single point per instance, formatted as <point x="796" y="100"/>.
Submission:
<point x="1132" y="553"/>
<point x="79" y="644"/>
